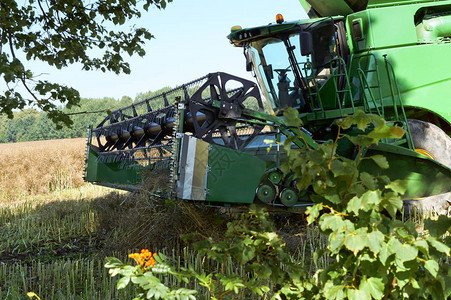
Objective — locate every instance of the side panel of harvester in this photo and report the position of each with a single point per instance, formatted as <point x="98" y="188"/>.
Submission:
<point x="416" y="39"/>
<point x="214" y="173"/>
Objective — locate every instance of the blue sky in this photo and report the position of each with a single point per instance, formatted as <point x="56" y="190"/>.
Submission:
<point x="190" y="41"/>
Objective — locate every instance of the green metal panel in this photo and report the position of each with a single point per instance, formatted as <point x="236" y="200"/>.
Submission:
<point x="233" y="176"/>
<point x="423" y="74"/>
<point x="382" y="3"/>
<point x="334" y="8"/>
<point x="111" y="173"/>
<point x="393" y="26"/>
<point x="215" y="173"/>
<point x="420" y="61"/>
<point x="377" y="23"/>
<point x="425" y="176"/>
<point x="331" y="8"/>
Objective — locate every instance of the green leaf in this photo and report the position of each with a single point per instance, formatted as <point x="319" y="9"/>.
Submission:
<point x="331" y="221"/>
<point x="398" y="186"/>
<point x="380" y="160"/>
<point x="334" y="291"/>
<point x="313" y="213"/>
<point x="123" y="282"/>
<point x="386" y="132"/>
<point x="392" y="203"/>
<point x="339" y="167"/>
<point x="375" y="241"/>
<point x="317" y="156"/>
<point x="404" y="252"/>
<point x="247" y="255"/>
<point x="432" y="266"/>
<point x="291" y="116"/>
<point x="354" y="205"/>
<point x="346" y="123"/>
<point x="373" y="285"/>
<point x="439" y="227"/>
<point x="378" y="121"/>
<point x="336" y="241"/>
<point x="112" y="262"/>
<point x="354" y="294"/>
<point x="355" y="242"/>
<point x="385" y="253"/>
<point x="366" y="202"/>
<point x="438" y="245"/>
<point x="361" y="119"/>
<point x="368" y="180"/>
<point x="361" y="140"/>
<point x="422" y="245"/>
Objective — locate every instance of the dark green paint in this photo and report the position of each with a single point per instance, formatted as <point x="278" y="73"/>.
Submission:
<point x="425" y="176"/>
<point x="112" y="173"/>
<point x="233" y="176"/>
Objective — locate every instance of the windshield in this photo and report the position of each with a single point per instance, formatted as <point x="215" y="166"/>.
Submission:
<point x="281" y="69"/>
<point x="277" y="77"/>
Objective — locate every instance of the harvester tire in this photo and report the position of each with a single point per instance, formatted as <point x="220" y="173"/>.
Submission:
<point x="433" y="142"/>
<point x="431" y="139"/>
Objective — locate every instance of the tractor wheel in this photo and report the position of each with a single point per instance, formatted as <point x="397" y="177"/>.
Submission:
<point x="433" y="142"/>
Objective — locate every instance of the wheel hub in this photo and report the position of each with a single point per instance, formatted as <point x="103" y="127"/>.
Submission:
<point x="266" y="192"/>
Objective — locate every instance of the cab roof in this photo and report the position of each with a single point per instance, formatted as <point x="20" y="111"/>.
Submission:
<point x="241" y="36"/>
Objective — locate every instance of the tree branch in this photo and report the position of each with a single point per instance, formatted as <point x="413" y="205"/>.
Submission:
<point x="20" y="77"/>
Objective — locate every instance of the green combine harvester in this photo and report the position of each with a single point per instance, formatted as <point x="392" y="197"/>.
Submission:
<point x="205" y="140"/>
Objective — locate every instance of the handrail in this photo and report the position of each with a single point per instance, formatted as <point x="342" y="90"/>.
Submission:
<point x="308" y="66"/>
<point x="347" y="89"/>
<point x="367" y="70"/>
<point x="394" y="85"/>
<point x="363" y="83"/>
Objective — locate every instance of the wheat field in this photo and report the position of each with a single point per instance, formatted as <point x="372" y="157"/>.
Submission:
<point x="32" y="168"/>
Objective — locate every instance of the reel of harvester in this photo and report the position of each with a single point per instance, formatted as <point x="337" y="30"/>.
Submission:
<point x="147" y="135"/>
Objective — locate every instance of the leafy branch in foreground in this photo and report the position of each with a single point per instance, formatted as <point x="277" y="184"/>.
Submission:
<point x="374" y="255"/>
<point x="60" y="33"/>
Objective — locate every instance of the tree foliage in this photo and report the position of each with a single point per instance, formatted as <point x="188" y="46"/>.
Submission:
<point x="32" y="125"/>
<point x="60" y="33"/>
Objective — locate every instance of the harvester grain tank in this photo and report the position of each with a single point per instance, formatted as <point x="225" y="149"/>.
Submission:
<point x="389" y="58"/>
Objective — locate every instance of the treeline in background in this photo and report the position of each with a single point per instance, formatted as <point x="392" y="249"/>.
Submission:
<point x="33" y="125"/>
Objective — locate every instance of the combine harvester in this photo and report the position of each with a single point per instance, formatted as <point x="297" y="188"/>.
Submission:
<point x="204" y="140"/>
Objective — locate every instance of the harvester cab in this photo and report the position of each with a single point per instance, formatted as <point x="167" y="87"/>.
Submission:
<point x="206" y="140"/>
<point x="281" y="53"/>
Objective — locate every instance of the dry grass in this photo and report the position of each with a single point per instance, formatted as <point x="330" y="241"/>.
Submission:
<point x="50" y="220"/>
<point x="41" y="182"/>
<point x="32" y="168"/>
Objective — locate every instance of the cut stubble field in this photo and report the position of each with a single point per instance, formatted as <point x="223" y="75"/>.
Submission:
<point x="56" y="230"/>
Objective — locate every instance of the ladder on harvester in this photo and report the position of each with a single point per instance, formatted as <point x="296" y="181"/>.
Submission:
<point x="316" y="103"/>
<point x="368" y="69"/>
<point x="343" y="92"/>
<point x="343" y="95"/>
<point x="366" y="72"/>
